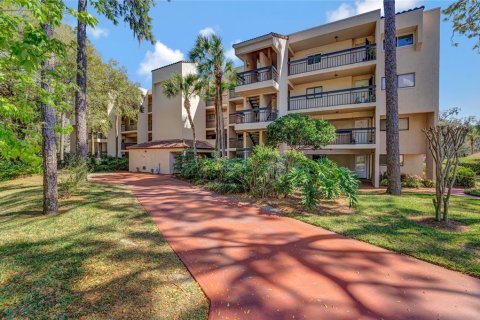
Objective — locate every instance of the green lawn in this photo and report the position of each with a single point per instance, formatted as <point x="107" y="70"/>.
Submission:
<point x="101" y="257"/>
<point x="386" y="221"/>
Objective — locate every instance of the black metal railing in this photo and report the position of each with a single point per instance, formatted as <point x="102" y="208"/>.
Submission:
<point x="236" y="143"/>
<point x="355" y="136"/>
<point x="257" y="75"/>
<point x="232" y="94"/>
<point x="243" y="153"/>
<point x="254" y="115"/>
<point x="125" y="145"/>
<point x="332" y="98"/>
<point x="333" y="59"/>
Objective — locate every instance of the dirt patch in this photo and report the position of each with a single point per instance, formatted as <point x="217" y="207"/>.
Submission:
<point x="293" y="205"/>
<point x="452" y="225"/>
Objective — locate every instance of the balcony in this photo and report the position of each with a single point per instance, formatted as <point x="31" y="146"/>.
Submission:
<point x="355" y="136"/>
<point x="211" y="122"/>
<point x="254" y="115"/>
<point x="236" y="143"/>
<point x="232" y="94"/>
<point x="361" y="95"/>
<point x="128" y="127"/>
<point x="262" y="80"/>
<point x="333" y="59"/>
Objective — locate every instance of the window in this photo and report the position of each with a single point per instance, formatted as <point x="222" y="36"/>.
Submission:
<point x="314" y="59"/>
<point x="131" y="122"/>
<point x="406" y="80"/>
<point x="314" y="92"/>
<point x="383" y="160"/>
<point x="402" y="41"/>
<point x="403" y="124"/>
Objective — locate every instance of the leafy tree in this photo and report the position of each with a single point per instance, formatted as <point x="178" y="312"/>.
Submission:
<point x="209" y="54"/>
<point x="391" y="92"/>
<point x="473" y="136"/>
<point x="135" y="13"/>
<point x="189" y="86"/>
<point x="299" y="131"/>
<point x="465" y="16"/>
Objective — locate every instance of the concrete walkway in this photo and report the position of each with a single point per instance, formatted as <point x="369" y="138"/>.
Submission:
<point x="253" y="265"/>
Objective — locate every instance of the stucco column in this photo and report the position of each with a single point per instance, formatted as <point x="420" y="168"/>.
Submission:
<point x="429" y="161"/>
<point x="282" y="69"/>
<point x="376" y="155"/>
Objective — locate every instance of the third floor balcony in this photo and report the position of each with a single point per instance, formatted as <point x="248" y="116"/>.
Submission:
<point x="343" y="97"/>
<point x="257" y="115"/>
<point x="333" y="59"/>
<point x="257" y="80"/>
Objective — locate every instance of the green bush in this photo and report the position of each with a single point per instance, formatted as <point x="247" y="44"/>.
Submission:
<point x="74" y="176"/>
<point x="11" y="169"/>
<point x="384" y="182"/>
<point x="473" y="191"/>
<point x="412" y="181"/>
<point x="465" y="177"/>
<point x="107" y="164"/>
<point x="428" y="183"/>
<point x="471" y="163"/>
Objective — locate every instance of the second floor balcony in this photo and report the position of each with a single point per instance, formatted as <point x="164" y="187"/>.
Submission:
<point x="360" y="95"/>
<point x="333" y="59"/>
<point x="254" y="115"/>
<point x="355" y="136"/>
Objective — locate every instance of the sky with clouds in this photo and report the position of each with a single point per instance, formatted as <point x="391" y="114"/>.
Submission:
<point x="177" y="23"/>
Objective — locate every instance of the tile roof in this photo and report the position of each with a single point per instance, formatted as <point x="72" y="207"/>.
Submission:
<point x="171" y="144"/>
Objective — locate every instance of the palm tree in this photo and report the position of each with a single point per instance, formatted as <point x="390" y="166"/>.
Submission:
<point x="209" y="54"/>
<point x="472" y="137"/>
<point x="188" y="86"/>
<point x="393" y="141"/>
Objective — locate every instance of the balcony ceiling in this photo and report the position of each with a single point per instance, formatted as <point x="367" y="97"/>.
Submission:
<point x="321" y="39"/>
<point x="333" y="73"/>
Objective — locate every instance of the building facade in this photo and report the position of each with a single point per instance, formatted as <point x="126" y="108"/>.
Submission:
<point x="334" y="72"/>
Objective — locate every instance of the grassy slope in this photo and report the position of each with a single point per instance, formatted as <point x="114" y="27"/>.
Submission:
<point x="382" y="220"/>
<point x="101" y="257"/>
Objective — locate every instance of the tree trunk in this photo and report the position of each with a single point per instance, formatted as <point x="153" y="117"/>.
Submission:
<point x="393" y="143"/>
<point x="116" y="136"/>
<point x="62" y="138"/>
<point x="49" y="148"/>
<point x="218" y="84"/>
<point x="192" y="125"/>
<point x="81" y="94"/>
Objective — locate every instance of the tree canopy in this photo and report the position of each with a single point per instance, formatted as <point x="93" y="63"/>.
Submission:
<point x="299" y="131"/>
<point x="465" y="16"/>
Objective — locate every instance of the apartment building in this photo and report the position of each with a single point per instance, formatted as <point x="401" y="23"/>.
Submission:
<point x="334" y="72"/>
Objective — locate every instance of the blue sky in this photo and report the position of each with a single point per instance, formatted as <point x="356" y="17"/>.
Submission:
<point x="177" y="23"/>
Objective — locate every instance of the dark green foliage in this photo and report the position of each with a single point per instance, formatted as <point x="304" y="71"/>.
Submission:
<point x="465" y="177"/>
<point x="11" y="169"/>
<point x="465" y="16"/>
<point x="428" y="183"/>
<point x="472" y="163"/>
<point x="412" y="181"/>
<point x="299" y="130"/>
<point x="267" y="173"/>
<point x="108" y="164"/>
<point x="473" y="192"/>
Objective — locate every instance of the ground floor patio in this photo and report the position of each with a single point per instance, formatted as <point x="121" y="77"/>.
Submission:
<point x="255" y="265"/>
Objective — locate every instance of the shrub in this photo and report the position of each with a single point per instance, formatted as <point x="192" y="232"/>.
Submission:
<point x="471" y="163"/>
<point x="428" y="183"/>
<point x="473" y="191"/>
<point x="465" y="177"/>
<point x="412" y="181"/>
<point x="262" y="171"/>
<point x="75" y="176"/>
<point x="107" y="164"/>
<point x="11" y="169"/>
<point x="384" y="182"/>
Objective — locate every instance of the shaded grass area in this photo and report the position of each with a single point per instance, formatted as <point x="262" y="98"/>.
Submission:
<point x="100" y="257"/>
<point x="403" y="224"/>
<point x="397" y="223"/>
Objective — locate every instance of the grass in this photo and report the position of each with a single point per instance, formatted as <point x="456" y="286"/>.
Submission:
<point x="473" y="191"/>
<point x="100" y="257"/>
<point x="399" y="224"/>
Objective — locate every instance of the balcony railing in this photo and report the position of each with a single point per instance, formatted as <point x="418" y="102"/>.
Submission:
<point x="129" y="127"/>
<point x="332" y="98"/>
<point x="125" y="145"/>
<point x="232" y="94"/>
<point x="333" y="59"/>
<point x="243" y="153"/>
<point x="254" y="115"/>
<point x="211" y="123"/>
<point x="257" y="75"/>
<point x="236" y="143"/>
<point x="355" y="136"/>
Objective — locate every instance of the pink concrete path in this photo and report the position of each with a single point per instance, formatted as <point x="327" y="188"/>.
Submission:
<point x="253" y="265"/>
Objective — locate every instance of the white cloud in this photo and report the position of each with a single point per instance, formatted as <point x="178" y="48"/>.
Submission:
<point x="161" y="56"/>
<point x="230" y="53"/>
<point x="207" y="31"/>
<point x="346" y="10"/>
<point x="98" y="32"/>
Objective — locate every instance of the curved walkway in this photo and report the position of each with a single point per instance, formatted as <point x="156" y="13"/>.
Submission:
<point x="253" y="265"/>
